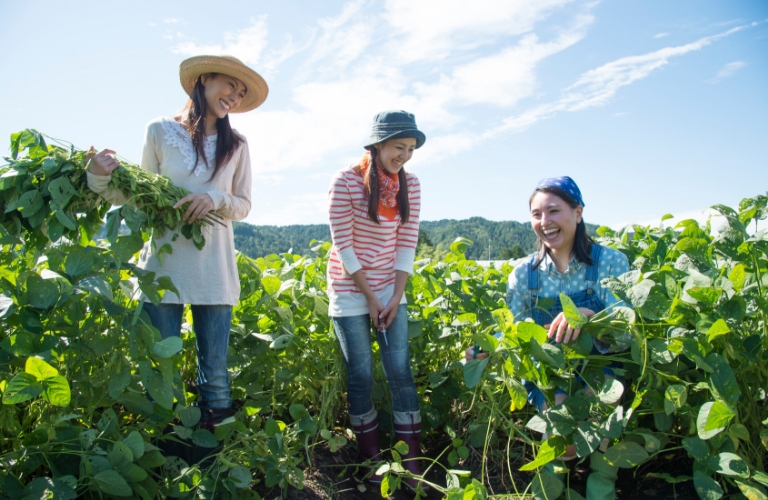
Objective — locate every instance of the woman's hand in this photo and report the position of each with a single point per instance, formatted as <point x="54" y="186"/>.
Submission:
<point x="387" y="315"/>
<point x="374" y="310"/>
<point x="199" y="206"/>
<point x="471" y="354"/>
<point x="100" y="163"/>
<point x="562" y="331"/>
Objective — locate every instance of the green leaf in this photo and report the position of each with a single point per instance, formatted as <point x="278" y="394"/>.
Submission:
<point x="729" y="464"/>
<point x="527" y="331"/>
<point x="136" y="443"/>
<point x="204" y="438"/>
<point x="56" y="391"/>
<point x="573" y="316"/>
<point x="504" y="319"/>
<point x="79" y="261"/>
<point x="64" y="219"/>
<point x="21" y="388"/>
<point x="190" y="416"/>
<point x="167" y="347"/>
<point x="6" y="306"/>
<point x="43" y="294"/>
<point x="544" y="486"/>
<point x="120" y="453"/>
<point x="586" y="438"/>
<point x="626" y="455"/>
<point x="548" y="353"/>
<point x="401" y="447"/>
<point x="95" y="284"/>
<point x="39" y="368"/>
<point x="44" y="488"/>
<point x="706" y="487"/>
<point x="112" y="483"/>
<point x="241" y="476"/>
<point x="126" y="246"/>
<point x="30" y="203"/>
<point x="674" y="398"/>
<point x="271" y="284"/>
<point x="35" y="438"/>
<point x="118" y="382"/>
<point x="548" y="451"/>
<point x="723" y="380"/>
<point x="473" y="371"/>
<point x="717" y="329"/>
<point x="698" y="448"/>
<point x="712" y="419"/>
<point x="61" y="191"/>
<point x="155" y="384"/>
<point x="752" y="490"/>
<point x="611" y="391"/>
<point x="737" y="276"/>
<point x="21" y="344"/>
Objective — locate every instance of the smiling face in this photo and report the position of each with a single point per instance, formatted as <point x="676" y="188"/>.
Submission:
<point x="223" y="94"/>
<point x="394" y="153"/>
<point x="554" y="222"/>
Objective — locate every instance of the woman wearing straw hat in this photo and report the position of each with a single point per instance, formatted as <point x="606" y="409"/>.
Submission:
<point x="198" y="150"/>
<point x="374" y="217"/>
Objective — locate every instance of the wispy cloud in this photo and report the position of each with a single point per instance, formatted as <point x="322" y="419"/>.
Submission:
<point x="728" y="70"/>
<point x="598" y="86"/>
<point x="660" y="35"/>
<point x="246" y="44"/>
<point x="172" y="20"/>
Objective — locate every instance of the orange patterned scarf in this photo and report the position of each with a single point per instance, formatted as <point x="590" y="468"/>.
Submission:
<point x="389" y="185"/>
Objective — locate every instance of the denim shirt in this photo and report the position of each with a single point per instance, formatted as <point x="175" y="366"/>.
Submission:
<point x="570" y="282"/>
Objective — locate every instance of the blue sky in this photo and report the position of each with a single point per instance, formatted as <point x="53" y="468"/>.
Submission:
<point x="653" y="107"/>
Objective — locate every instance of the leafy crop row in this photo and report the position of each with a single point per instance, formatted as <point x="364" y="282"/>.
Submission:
<point x="91" y="392"/>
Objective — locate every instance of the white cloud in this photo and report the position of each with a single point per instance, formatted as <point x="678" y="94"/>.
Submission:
<point x="728" y="70"/>
<point x="598" y="86"/>
<point x="433" y="29"/>
<point x="246" y="44"/>
<point x="660" y="35"/>
<point x="152" y="25"/>
<point x="171" y="20"/>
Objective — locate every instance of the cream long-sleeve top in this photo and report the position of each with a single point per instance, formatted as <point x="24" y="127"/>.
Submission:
<point x="359" y="243"/>
<point x="202" y="277"/>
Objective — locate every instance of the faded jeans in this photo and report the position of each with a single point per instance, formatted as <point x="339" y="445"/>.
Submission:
<point x="212" y="324"/>
<point x="354" y="333"/>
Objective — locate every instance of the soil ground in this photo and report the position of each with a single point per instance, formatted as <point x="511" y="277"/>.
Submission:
<point x="329" y="479"/>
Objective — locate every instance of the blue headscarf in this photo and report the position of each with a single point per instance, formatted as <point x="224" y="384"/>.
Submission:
<point x="566" y="184"/>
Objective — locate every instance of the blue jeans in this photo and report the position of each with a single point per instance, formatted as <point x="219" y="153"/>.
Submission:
<point x="212" y="324"/>
<point x="354" y="333"/>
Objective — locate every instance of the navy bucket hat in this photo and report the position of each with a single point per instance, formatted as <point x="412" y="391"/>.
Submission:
<point x="395" y="124"/>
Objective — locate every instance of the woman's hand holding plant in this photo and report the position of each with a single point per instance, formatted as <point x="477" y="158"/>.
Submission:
<point x="562" y="331"/>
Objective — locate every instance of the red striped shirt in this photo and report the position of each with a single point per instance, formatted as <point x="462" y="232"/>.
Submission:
<point x="359" y="243"/>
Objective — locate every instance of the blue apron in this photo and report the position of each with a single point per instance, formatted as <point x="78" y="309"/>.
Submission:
<point x="586" y="298"/>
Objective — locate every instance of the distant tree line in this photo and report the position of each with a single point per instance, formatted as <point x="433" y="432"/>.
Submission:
<point x="508" y="239"/>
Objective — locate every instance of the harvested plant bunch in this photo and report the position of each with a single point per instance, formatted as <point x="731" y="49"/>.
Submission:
<point x="47" y="188"/>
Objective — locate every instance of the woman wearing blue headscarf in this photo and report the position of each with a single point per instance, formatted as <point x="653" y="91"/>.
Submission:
<point x="567" y="261"/>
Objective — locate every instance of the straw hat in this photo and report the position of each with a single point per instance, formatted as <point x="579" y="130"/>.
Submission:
<point x="256" y="88"/>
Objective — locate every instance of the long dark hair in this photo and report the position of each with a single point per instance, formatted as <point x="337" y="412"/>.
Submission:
<point x="371" y="182"/>
<point x="582" y="242"/>
<point x="193" y="119"/>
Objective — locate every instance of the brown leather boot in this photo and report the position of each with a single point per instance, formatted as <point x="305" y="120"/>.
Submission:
<point x="408" y="430"/>
<point x="366" y="429"/>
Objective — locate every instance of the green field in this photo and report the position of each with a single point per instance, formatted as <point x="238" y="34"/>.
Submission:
<point x="78" y="361"/>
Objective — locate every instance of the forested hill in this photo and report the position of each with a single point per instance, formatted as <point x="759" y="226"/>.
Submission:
<point x="509" y="239"/>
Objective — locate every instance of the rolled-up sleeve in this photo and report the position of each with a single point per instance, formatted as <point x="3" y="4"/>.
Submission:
<point x="614" y="264"/>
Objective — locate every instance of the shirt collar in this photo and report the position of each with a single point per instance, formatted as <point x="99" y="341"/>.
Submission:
<point x="548" y="266"/>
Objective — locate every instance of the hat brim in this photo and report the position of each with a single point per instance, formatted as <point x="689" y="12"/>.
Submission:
<point x="256" y="88"/>
<point x="413" y="133"/>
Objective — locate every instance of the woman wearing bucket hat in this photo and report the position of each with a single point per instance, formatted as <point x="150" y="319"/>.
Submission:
<point x="198" y="150"/>
<point x="374" y="217"/>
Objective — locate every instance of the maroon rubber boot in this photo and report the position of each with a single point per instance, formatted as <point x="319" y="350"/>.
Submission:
<point x="366" y="429"/>
<point x="408" y="430"/>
